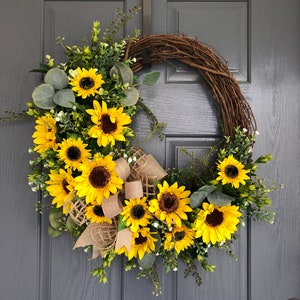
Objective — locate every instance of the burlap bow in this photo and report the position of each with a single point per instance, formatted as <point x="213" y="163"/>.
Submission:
<point x="139" y="181"/>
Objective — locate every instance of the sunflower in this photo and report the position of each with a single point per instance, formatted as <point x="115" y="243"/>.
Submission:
<point x="73" y="152"/>
<point x="142" y="242"/>
<point x="95" y="214"/>
<point x="44" y="136"/>
<point x="179" y="238"/>
<point x="216" y="223"/>
<point x="86" y="82"/>
<point x="98" y="179"/>
<point x="109" y="124"/>
<point x="172" y="204"/>
<point x="136" y="213"/>
<point x="232" y="171"/>
<point x="61" y="187"/>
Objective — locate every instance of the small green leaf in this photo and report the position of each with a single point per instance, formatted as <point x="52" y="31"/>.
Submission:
<point x="121" y="223"/>
<point x="132" y="97"/>
<point x="64" y="98"/>
<point x="42" y="69"/>
<point x="43" y="96"/>
<point x="151" y="78"/>
<point x="57" y="78"/>
<point x="147" y="261"/>
<point x="54" y="232"/>
<point x="219" y="199"/>
<point x="264" y="159"/>
<point x="73" y="135"/>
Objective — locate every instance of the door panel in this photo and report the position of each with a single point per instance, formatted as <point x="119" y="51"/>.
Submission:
<point x="36" y="267"/>
<point x="73" y="21"/>
<point x="275" y="93"/>
<point x="222" y="26"/>
<point x="19" y="228"/>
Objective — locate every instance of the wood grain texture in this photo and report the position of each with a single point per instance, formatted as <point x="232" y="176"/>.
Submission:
<point x="19" y="243"/>
<point x="276" y="93"/>
<point x="19" y="230"/>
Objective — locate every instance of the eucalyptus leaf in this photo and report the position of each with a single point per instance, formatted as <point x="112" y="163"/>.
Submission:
<point x="42" y="96"/>
<point x="124" y="72"/>
<point x="219" y="199"/>
<point x="70" y="225"/>
<point x="147" y="261"/>
<point x="113" y="71"/>
<point x="54" y="232"/>
<point x="132" y="97"/>
<point x="197" y="198"/>
<point x="207" y="188"/>
<point x="200" y="195"/>
<point x="57" y="78"/>
<point x="55" y="217"/>
<point x="64" y="98"/>
<point x="151" y="78"/>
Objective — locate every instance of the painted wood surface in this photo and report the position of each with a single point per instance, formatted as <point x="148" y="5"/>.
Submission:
<point x="263" y="54"/>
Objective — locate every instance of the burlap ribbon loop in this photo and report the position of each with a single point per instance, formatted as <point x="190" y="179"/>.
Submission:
<point x="147" y="169"/>
<point x="122" y="168"/>
<point x="77" y="212"/>
<point x="101" y="236"/>
<point x="112" y="206"/>
<point x="134" y="189"/>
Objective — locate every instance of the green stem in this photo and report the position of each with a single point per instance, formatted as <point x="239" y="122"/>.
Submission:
<point x="155" y="125"/>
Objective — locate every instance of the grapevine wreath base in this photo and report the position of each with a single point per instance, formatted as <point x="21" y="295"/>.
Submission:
<point x="157" y="48"/>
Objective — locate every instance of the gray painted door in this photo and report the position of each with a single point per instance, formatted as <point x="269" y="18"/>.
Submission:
<point x="261" y="42"/>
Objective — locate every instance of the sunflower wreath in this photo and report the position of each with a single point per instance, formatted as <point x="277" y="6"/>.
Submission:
<point x="112" y="197"/>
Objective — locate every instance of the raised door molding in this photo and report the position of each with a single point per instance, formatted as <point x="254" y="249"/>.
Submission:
<point x="73" y="20"/>
<point x="223" y="26"/>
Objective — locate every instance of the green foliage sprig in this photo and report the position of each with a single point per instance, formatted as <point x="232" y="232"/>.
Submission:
<point x="13" y="116"/>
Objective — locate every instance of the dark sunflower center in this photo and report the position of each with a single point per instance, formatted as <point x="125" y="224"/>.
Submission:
<point x="179" y="235"/>
<point x="168" y="203"/>
<point x="99" y="177"/>
<point x="107" y="125"/>
<point x="140" y="240"/>
<point x="137" y="212"/>
<point x="73" y="153"/>
<point x="231" y="171"/>
<point x="65" y="186"/>
<point x="98" y="211"/>
<point x="215" y="218"/>
<point x="86" y="83"/>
